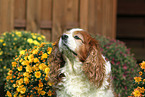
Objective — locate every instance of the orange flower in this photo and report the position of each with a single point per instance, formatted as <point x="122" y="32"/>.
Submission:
<point x="140" y="73"/>
<point x="49" y="93"/>
<point x="14" y="64"/>
<point x="137" y="79"/>
<point x="37" y="74"/>
<point x="143" y="65"/>
<point x="136" y="93"/>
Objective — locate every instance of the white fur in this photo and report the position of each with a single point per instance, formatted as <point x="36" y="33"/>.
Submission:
<point x="75" y="82"/>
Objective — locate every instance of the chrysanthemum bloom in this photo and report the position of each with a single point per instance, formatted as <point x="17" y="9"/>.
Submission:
<point x="136" y="93"/>
<point x="37" y="74"/>
<point x="140" y="73"/>
<point x="143" y="65"/>
<point x="137" y="79"/>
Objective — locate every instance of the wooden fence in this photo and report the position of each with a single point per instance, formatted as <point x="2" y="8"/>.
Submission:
<point x="52" y="17"/>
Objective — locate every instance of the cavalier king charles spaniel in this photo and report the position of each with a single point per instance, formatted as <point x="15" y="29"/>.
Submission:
<point x="78" y="69"/>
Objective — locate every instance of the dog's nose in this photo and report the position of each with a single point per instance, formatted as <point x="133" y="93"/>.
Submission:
<point x="64" y="37"/>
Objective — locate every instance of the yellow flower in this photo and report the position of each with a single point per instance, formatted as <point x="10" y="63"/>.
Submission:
<point x="4" y="44"/>
<point x="30" y="40"/>
<point x="8" y="77"/>
<point x="136" y="93"/>
<point x="42" y="66"/>
<point x="36" y="42"/>
<point x="39" y="38"/>
<point x="25" y="62"/>
<point x="143" y="65"/>
<point x="26" y="80"/>
<point x="14" y="64"/>
<point x="49" y="50"/>
<point x="31" y="58"/>
<point x="137" y="79"/>
<point x="37" y="74"/>
<point x="35" y="52"/>
<point x="34" y="37"/>
<point x="26" y="74"/>
<point x="15" y="38"/>
<point x="1" y="52"/>
<point x="9" y="94"/>
<point x="44" y="56"/>
<point x="20" y="81"/>
<point x="10" y="72"/>
<point x="36" y="60"/>
<point x="22" y="52"/>
<point x="18" y="33"/>
<point x="20" y="68"/>
<point x="49" y="93"/>
<point x="28" y="68"/>
<point x="1" y="40"/>
<point x="47" y="70"/>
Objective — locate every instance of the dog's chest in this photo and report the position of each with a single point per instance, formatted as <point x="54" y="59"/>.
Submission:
<point x="74" y="82"/>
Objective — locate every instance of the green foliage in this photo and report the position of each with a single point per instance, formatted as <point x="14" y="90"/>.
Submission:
<point x="11" y="43"/>
<point x="123" y="64"/>
<point x="29" y="74"/>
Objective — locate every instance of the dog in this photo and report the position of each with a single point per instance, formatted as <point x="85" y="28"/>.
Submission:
<point x="78" y="69"/>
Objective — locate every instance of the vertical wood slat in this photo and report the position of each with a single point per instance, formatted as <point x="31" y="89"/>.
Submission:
<point x="46" y="19"/>
<point x="33" y="15"/>
<point x="109" y="18"/>
<point x="84" y="14"/>
<point x="6" y="15"/>
<point x="20" y="13"/>
<point x="64" y="16"/>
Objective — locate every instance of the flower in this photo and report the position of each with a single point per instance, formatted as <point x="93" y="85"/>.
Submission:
<point x="22" y="52"/>
<point x="30" y="40"/>
<point x="47" y="70"/>
<point x="26" y="62"/>
<point x="37" y="74"/>
<point x="28" y="68"/>
<point x="140" y="73"/>
<point x="14" y="64"/>
<point x="143" y="65"/>
<point x="20" y="68"/>
<point x="9" y="94"/>
<point x="30" y="78"/>
<point x="49" y="93"/>
<point x="44" y="56"/>
<point x="136" y="93"/>
<point x="137" y="79"/>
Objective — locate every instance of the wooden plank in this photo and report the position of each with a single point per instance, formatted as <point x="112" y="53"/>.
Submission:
<point x="139" y="53"/>
<point x="6" y="15"/>
<point x="133" y="27"/>
<point x="102" y="17"/>
<point x="47" y="33"/>
<point x="46" y="14"/>
<point x="131" y="7"/>
<point x="33" y="15"/>
<point x="109" y="18"/>
<point x="94" y="16"/>
<point x="20" y="13"/>
<point x="84" y="14"/>
<point x="65" y="16"/>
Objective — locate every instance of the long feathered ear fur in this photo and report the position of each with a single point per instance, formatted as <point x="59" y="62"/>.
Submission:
<point x="56" y="62"/>
<point x="93" y="66"/>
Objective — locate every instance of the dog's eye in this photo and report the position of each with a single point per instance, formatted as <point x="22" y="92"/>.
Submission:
<point x="76" y="37"/>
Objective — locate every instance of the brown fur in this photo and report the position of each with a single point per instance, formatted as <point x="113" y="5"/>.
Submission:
<point x="89" y="53"/>
<point x="93" y="62"/>
<point x="56" y="61"/>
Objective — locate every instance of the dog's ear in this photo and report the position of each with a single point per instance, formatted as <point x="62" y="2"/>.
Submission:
<point x="93" y="66"/>
<point x="56" y="62"/>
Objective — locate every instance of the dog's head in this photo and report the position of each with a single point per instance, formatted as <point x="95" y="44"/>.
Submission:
<point x="77" y="43"/>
